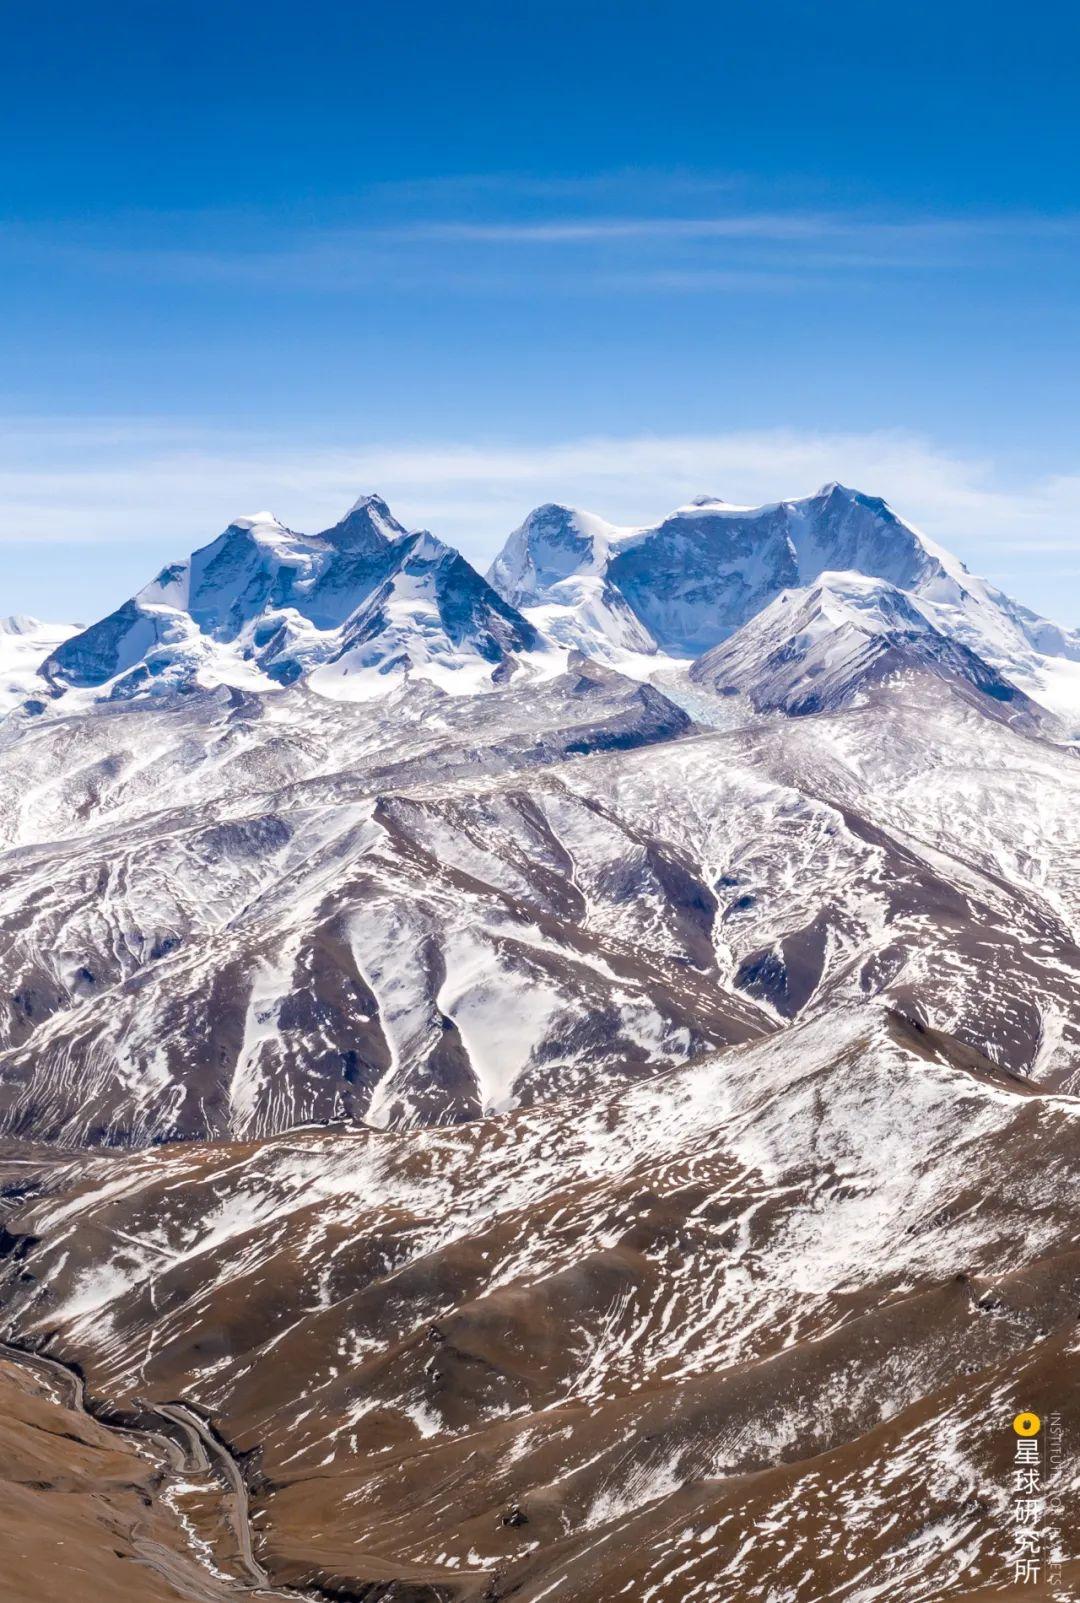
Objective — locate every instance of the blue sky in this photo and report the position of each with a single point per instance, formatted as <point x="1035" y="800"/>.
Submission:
<point x="485" y="255"/>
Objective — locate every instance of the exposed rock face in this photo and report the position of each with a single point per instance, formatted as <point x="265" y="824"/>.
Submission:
<point x="331" y="890"/>
<point x="693" y="580"/>
<point x="262" y="605"/>
<point x="821" y="648"/>
<point x="223" y="925"/>
<point x="576" y="1077"/>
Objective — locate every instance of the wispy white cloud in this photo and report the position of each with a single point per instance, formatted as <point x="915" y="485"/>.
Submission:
<point x="778" y="227"/>
<point x="591" y="230"/>
<point x="724" y="250"/>
<point x="154" y="483"/>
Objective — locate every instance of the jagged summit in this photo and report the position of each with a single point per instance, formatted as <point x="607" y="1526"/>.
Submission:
<point x="368" y="524"/>
<point x="372" y="500"/>
<point x="353" y="609"/>
<point x="357" y="607"/>
<point x="705" y="569"/>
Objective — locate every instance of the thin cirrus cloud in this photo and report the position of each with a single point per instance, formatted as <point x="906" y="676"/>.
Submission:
<point x="125" y="482"/>
<point x="781" y="227"/>
<point x="735" y="250"/>
<point x="577" y="231"/>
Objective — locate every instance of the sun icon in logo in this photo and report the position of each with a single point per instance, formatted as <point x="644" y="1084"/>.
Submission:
<point x="1027" y="1424"/>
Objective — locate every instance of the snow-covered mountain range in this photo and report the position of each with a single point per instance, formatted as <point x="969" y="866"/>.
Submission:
<point x="379" y="823"/>
<point x="575" y="1073"/>
<point x="352" y="610"/>
<point x="365" y="605"/>
<point x="689" y="583"/>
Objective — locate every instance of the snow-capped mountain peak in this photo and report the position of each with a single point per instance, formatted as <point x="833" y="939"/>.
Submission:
<point x="259" y="520"/>
<point x="709" y="566"/>
<point x="19" y="623"/>
<point x="368" y="524"/>
<point x="362" y="604"/>
<point x="372" y="501"/>
<point x="822" y="647"/>
<point x="690" y="582"/>
<point x="849" y="599"/>
<point x="554" y="566"/>
<point x="554" y="543"/>
<point x="262" y="606"/>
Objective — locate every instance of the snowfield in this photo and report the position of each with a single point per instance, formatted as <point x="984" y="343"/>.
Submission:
<point x="575" y="1073"/>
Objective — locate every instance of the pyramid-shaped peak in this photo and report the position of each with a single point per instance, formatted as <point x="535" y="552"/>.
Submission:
<point x="848" y="492"/>
<point x="369" y="522"/>
<point x="371" y="500"/>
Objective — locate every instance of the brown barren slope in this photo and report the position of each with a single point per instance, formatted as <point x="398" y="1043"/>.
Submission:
<point x="81" y="1515"/>
<point x="753" y="1332"/>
